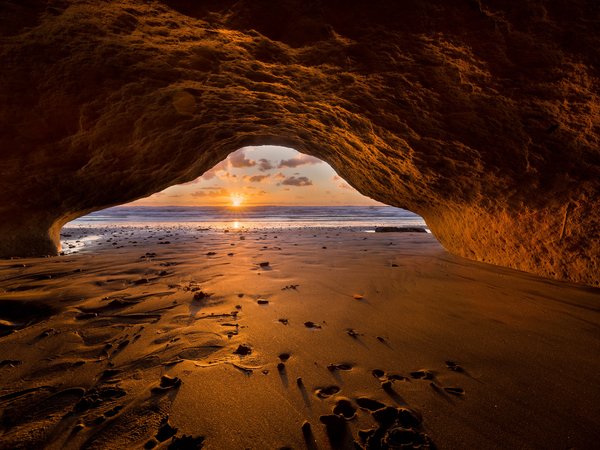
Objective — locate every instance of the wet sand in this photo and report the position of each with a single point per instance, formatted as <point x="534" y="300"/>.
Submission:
<point x="181" y="338"/>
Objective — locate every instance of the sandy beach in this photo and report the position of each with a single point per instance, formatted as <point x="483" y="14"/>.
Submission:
<point x="268" y="339"/>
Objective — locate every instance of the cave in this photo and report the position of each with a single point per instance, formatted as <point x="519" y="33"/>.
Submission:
<point x="480" y="116"/>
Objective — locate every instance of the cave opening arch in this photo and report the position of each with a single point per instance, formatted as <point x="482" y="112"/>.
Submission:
<point x="263" y="187"/>
<point x="465" y="219"/>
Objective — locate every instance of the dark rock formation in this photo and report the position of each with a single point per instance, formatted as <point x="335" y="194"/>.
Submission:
<point x="399" y="230"/>
<point x="480" y="115"/>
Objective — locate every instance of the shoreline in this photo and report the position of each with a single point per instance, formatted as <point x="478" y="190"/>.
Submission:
<point x="91" y="236"/>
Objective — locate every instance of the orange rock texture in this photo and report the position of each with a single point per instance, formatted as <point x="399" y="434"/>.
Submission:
<point x="483" y="116"/>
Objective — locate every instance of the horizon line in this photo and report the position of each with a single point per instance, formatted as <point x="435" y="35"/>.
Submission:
<point x="239" y="207"/>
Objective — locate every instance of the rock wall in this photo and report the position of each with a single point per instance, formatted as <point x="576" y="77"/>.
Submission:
<point x="481" y="116"/>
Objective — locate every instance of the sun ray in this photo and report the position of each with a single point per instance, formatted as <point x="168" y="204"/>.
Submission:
<point x="237" y="200"/>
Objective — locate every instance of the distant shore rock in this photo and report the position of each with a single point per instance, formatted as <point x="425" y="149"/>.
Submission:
<point x="400" y="230"/>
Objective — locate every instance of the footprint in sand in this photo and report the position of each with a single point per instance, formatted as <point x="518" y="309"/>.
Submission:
<point x="369" y="404"/>
<point x="343" y="366"/>
<point x="243" y="350"/>
<point x="110" y="373"/>
<point x="398" y="428"/>
<point x="455" y="390"/>
<point x="378" y="373"/>
<point x="332" y="420"/>
<point x="396" y="377"/>
<point x="451" y="365"/>
<point x="400" y="416"/>
<point x="327" y="391"/>
<point x="186" y="442"/>
<point x="385" y="415"/>
<point x="47" y="333"/>
<point x="114" y="411"/>
<point x="422" y="374"/>
<point x="310" y="324"/>
<point x="165" y="431"/>
<point x="345" y="409"/>
<point x="201" y="295"/>
<point x="397" y="437"/>
<point x="352" y="333"/>
<point x="166" y="383"/>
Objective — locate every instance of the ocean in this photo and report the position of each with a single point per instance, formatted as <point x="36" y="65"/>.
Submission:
<point x="361" y="217"/>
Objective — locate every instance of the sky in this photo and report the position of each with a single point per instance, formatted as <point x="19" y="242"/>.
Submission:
<point x="264" y="175"/>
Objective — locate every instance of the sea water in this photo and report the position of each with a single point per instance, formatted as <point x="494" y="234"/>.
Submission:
<point x="218" y="217"/>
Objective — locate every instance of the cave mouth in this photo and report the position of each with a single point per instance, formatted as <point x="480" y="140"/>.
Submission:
<point x="258" y="187"/>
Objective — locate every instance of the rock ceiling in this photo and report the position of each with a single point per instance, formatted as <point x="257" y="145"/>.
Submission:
<point x="481" y="116"/>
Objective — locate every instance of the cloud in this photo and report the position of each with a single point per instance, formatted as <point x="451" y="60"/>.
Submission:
<point x="224" y="175"/>
<point x="279" y="176"/>
<point x="238" y="159"/>
<point x="208" y="175"/>
<point x="256" y="178"/>
<point x="264" y="165"/>
<point x="343" y="184"/>
<point x="211" y="173"/>
<point x="207" y="192"/>
<point x="297" y="181"/>
<point x="299" y="160"/>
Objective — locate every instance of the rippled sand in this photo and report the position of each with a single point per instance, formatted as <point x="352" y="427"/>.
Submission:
<point x="181" y="338"/>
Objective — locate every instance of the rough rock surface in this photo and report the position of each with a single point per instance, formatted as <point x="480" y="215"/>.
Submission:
<point x="480" y="115"/>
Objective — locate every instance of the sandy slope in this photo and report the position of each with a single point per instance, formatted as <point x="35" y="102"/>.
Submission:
<point x="94" y="332"/>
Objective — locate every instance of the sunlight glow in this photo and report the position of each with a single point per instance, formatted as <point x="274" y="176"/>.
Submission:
<point x="237" y="200"/>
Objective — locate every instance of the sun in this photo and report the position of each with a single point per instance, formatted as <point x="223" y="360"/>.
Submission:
<point x="236" y="200"/>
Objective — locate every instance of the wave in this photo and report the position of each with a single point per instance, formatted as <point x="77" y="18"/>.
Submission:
<point x="257" y="215"/>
